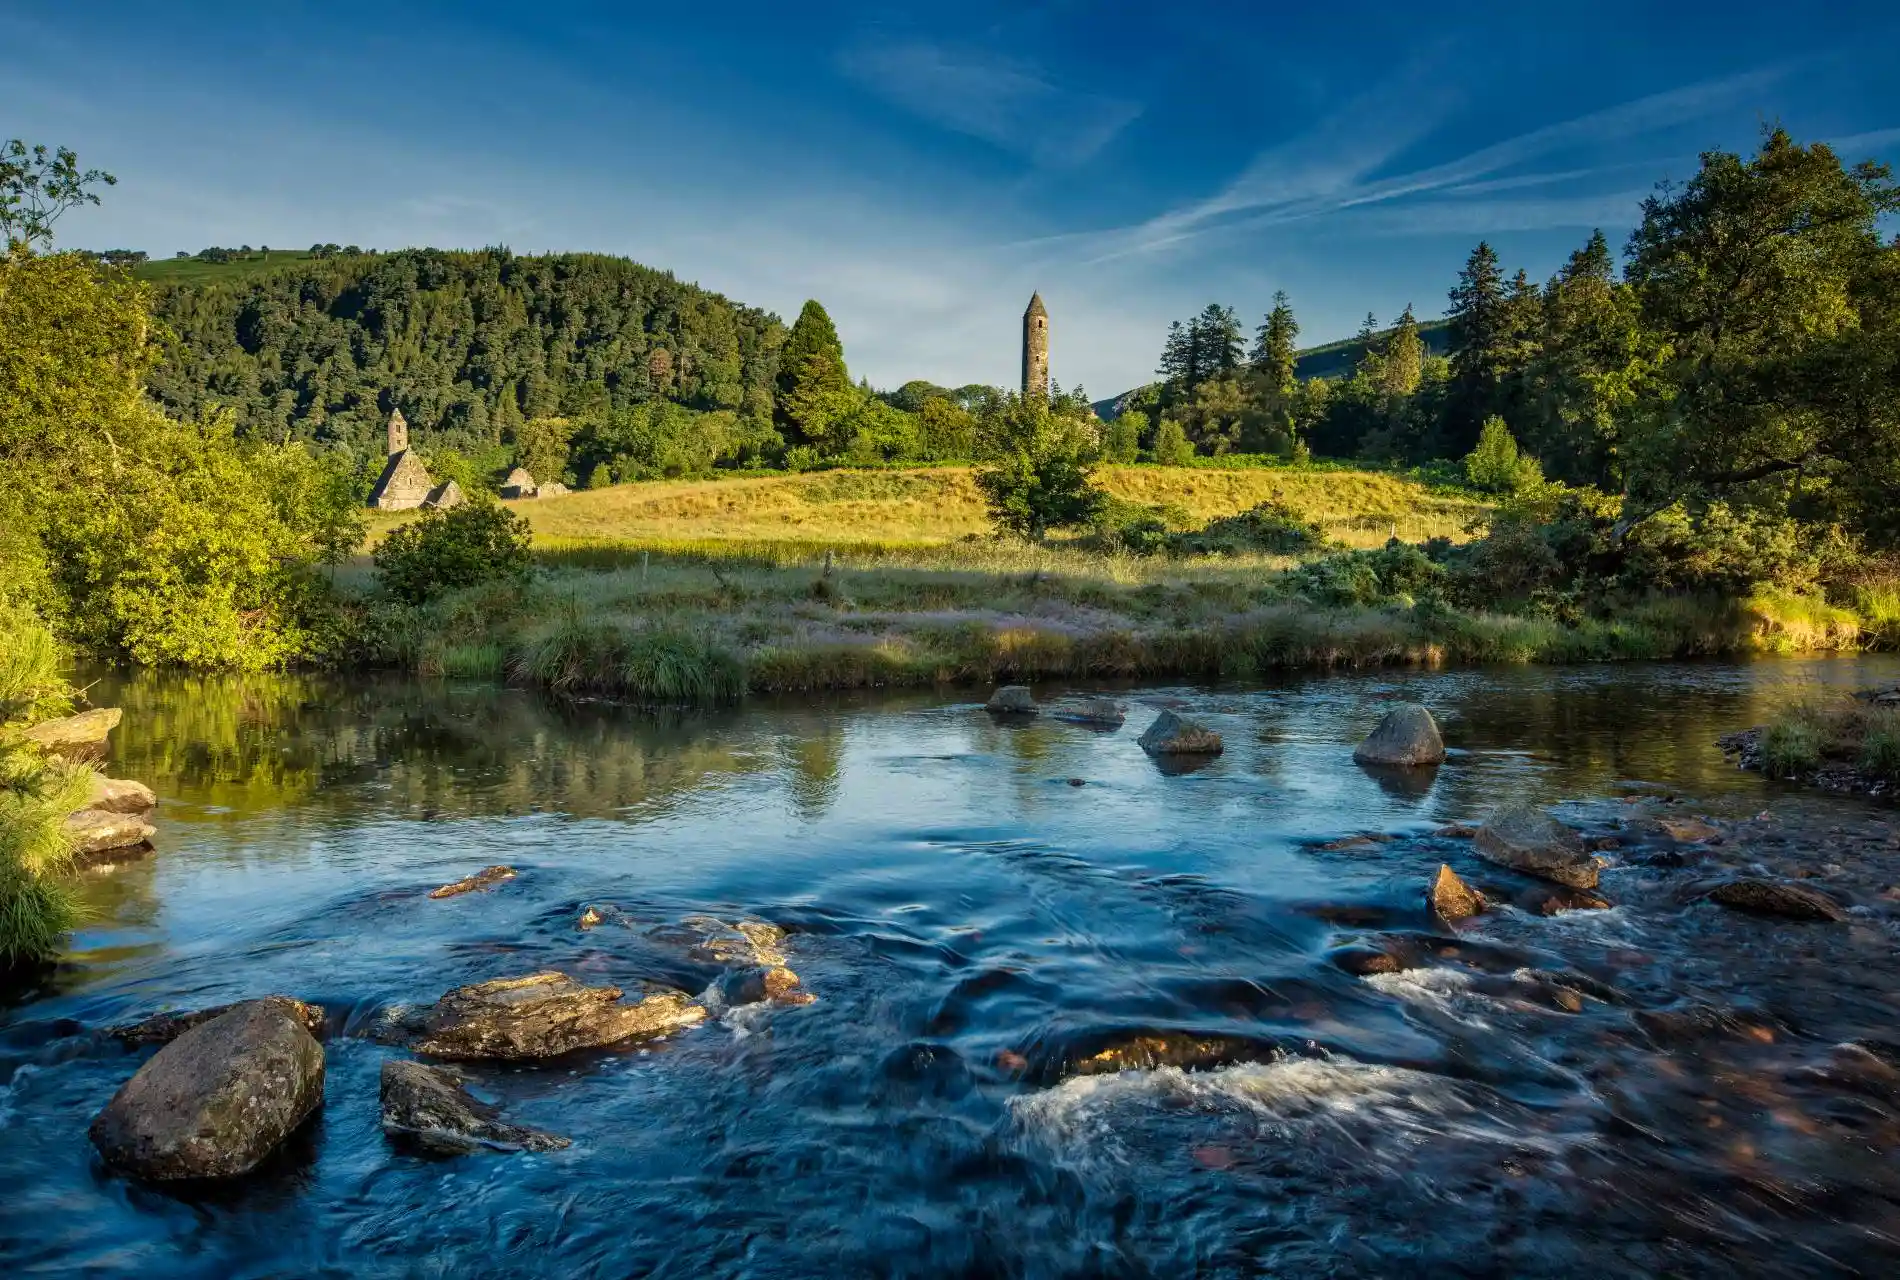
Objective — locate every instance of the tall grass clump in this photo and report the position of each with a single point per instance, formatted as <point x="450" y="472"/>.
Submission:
<point x="1794" y="745"/>
<point x="37" y="795"/>
<point x="674" y="666"/>
<point x="1880" y="745"/>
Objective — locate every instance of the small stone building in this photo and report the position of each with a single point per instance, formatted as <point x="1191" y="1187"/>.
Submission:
<point x="405" y="482"/>
<point x="519" y="484"/>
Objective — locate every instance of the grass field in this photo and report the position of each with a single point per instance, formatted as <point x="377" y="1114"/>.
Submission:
<point x="911" y="510"/>
<point x="192" y="271"/>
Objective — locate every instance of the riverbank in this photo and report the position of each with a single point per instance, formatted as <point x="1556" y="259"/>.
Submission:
<point x="702" y="626"/>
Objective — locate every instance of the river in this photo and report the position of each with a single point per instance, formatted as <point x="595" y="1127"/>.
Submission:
<point x="982" y="910"/>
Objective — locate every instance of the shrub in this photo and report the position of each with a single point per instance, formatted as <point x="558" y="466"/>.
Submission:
<point x="1172" y="447"/>
<point x="445" y="550"/>
<point x="1880" y="745"/>
<point x="1792" y="746"/>
<point x="1496" y="465"/>
<point x="1271" y="528"/>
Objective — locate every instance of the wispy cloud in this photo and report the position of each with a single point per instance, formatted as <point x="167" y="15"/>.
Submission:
<point x="1003" y="101"/>
<point x="1331" y="169"/>
<point x="1856" y="145"/>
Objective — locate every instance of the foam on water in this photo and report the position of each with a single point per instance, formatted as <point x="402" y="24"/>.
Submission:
<point x="10" y="1090"/>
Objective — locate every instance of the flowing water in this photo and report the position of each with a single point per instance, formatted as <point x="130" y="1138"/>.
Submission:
<point x="995" y="917"/>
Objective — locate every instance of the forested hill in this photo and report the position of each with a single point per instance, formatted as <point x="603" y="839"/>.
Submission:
<point x="1333" y="360"/>
<point x="467" y="344"/>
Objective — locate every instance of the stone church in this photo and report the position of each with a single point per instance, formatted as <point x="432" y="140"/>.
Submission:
<point x="405" y="482"/>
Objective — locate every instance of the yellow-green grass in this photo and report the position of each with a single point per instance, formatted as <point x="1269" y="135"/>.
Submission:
<point x="896" y="509"/>
<point x="195" y="271"/>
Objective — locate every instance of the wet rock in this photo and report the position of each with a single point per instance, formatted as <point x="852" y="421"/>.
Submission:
<point x="480" y="880"/>
<point x="429" y="1106"/>
<point x="1364" y="840"/>
<point x="1551" y="904"/>
<point x="1775" y="898"/>
<point x="1531" y="841"/>
<point x="544" y="1015"/>
<point x="163" y="1028"/>
<point x="94" y="833"/>
<point x="78" y="738"/>
<point x="744" y="942"/>
<point x="755" y="986"/>
<point x="1456" y="831"/>
<point x="1078" y="782"/>
<point x="119" y="795"/>
<point x="1170" y="735"/>
<point x="217" y="1100"/>
<point x="1570" y="980"/>
<point x="920" y="1070"/>
<point x="1384" y="955"/>
<point x="1689" y="830"/>
<point x="1011" y="699"/>
<point x="1686" y="1024"/>
<point x="1105" y="712"/>
<point x="1407" y="736"/>
<point x="1858" y="1068"/>
<point x="1452" y="898"/>
<point x="588" y="918"/>
<point x="1107" y="1053"/>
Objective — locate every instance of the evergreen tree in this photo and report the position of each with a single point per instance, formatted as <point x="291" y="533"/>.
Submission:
<point x="1404" y="358"/>
<point x="1479" y="341"/>
<point x="1217" y="341"/>
<point x="1177" y="356"/>
<point x="1275" y="351"/>
<point x="814" y="388"/>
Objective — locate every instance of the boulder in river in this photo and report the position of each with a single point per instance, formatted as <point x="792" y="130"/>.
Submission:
<point x="1102" y="712"/>
<point x="1407" y="736"/>
<point x="480" y="880"/>
<point x="1531" y="841"/>
<point x="428" y="1105"/>
<point x="217" y="1100"/>
<point x="1171" y="735"/>
<point x="776" y="983"/>
<point x="544" y="1015"/>
<point x="79" y="738"/>
<point x="1011" y="699"/>
<point x="1777" y="898"/>
<point x="94" y="832"/>
<point x="1452" y="898"/>
<point x="163" y="1028"/>
<point x="119" y="795"/>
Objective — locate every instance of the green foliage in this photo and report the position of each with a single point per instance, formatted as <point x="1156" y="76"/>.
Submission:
<point x="1496" y="466"/>
<point x="1171" y="447"/>
<point x="1395" y="574"/>
<point x="1880" y="745"/>
<point x="37" y="795"/>
<point x="464" y="546"/>
<point x="541" y="446"/>
<point x="814" y="390"/>
<point x="37" y="184"/>
<point x="1121" y="441"/>
<point x="1044" y="464"/>
<point x="1791" y="748"/>
<point x="1271" y="528"/>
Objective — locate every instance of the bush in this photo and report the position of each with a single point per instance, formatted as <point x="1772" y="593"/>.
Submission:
<point x="1172" y="447"/>
<point x="445" y="550"/>
<point x="1271" y="528"/>
<point x="1397" y="573"/>
<point x="1132" y="527"/>
<point x="1496" y="465"/>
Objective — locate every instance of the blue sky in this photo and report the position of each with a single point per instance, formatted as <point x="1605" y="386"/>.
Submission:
<point x="921" y="168"/>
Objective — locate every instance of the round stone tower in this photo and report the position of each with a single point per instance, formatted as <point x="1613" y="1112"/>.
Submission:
<point x="1036" y="349"/>
<point x="398" y="432"/>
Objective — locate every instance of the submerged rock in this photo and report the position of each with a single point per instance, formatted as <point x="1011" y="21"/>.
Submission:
<point x="544" y="1015"/>
<point x="119" y="795"/>
<point x="217" y="1100"/>
<point x="1407" y="736"/>
<point x="1688" y="830"/>
<point x="429" y="1106"/>
<point x="1172" y="735"/>
<point x="1384" y="955"/>
<point x="1452" y="898"/>
<point x="1775" y="898"/>
<point x="1012" y="698"/>
<point x="748" y="942"/>
<point x="1696" y="1021"/>
<point x="1567" y="899"/>
<point x="1095" y="711"/>
<point x="480" y="880"/>
<point x="163" y="1028"/>
<point x="1107" y="1053"/>
<point x="755" y="986"/>
<point x="1531" y="841"/>
<point x="78" y="738"/>
<point x="94" y="832"/>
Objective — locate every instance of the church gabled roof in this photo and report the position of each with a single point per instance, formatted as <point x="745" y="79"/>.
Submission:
<point x="1035" y="306"/>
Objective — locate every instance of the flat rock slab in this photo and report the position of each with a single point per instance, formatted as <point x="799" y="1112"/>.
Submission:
<point x="1408" y="737"/>
<point x="119" y="795"/>
<point x="1688" y="830"/>
<point x="95" y="832"/>
<point x="215" y="1101"/>
<point x="1095" y="711"/>
<point x="429" y="1106"/>
<point x="1171" y="735"/>
<point x="1776" y="898"/>
<point x="80" y="737"/>
<point x="1452" y="898"/>
<point x="1013" y="699"/>
<point x="482" y="879"/>
<point x="163" y="1028"/>
<point x="544" y="1015"/>
<point x="1531" y="841"/>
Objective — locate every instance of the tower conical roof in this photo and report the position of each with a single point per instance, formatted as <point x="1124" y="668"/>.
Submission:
<point x="1035" y="306"/>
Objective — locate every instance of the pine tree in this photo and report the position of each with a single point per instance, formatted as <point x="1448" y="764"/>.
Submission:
<point x="1275" y="350"/>
<point x="812" y="382"/>
<point x="1479" y="338"/>
<point x="1219" y="346"/>
<point x="1404" y="357"/>
<point x="1177" y="356"/>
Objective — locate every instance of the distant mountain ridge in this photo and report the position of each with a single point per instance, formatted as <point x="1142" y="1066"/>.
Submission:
<point x="1332" y="360"/>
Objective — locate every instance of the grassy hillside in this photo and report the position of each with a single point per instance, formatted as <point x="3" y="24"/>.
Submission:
<point x="930" y="507"/>
<point x="1332" y="360"/>
<point x="190" y="271"/>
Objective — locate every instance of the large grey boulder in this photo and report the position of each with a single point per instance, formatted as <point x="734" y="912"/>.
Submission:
<point x="1531" y="841"/>
<point x="119" y="795"/>
<point x="94" y="832"/>
<point x="1012" y="699"/>
<point x="1407" y="736"/>
<point x="163" y="1028"/>
<point x="81" y="737"/>
<point x="429" y="1106"/>
<point x="1171" y="735"/>
<point x="544" y="1015"/>
<point x="1777" y="898"/>
<point x="215" y="1101"/>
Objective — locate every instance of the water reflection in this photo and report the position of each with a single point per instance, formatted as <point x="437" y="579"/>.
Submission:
<point x="1061" y="1029"/>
